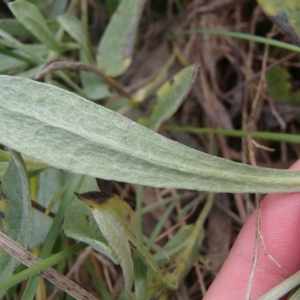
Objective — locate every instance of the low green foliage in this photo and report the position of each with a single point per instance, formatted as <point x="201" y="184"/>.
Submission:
<point x="73" y="131"/>
<point x="280" y="86"/>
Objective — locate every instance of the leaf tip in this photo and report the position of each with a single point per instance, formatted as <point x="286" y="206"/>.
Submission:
<point x="94" y="199"/>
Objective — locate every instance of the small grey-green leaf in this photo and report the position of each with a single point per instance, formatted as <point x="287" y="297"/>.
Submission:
<point x="117" y="235"/>
<point x="155" y="82"/>
<point x="170" y="96"/>
<point x="15" y="211"/>
<point x="74" y="28"/>
<point x="58" y="8"/>
<point x="80" y="224"/>
<point x="30" y="16"/>
<point x="93" y="85"/>
<point x="116" y="46"/>
<point x="71" y="133"/>
<point x="49" y="183"/>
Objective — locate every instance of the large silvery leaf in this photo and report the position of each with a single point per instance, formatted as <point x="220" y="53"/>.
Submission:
<point x="15" y="211"/>
<point x="115" y="50"/>
<point x="71" y="133"/>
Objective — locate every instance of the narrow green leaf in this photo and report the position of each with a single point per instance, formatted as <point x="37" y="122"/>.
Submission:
<point x="116" y="46"/>
<point x="174" y="245"/>
<point x="191" y="250"/>
<point x="243" y="36"/>
<point x="74" y="28"/>
<point x="9" y="62"/>
<point x="9" y="41"/>
<point x="263" y="135"/>
<point x="148" y="89"/>
<point x="40" y="266"/>
<point x="30" y="16"/>
<point x="165" y="216"/>
<point x="140" y="277"/>
<point x="285" y="14"/>
<point x="14" y="27"/>
<point x="15" y="211"/>
<point x="71" y="133"/>
<point x="170" y="97"/>
<point x="98" y="281"/>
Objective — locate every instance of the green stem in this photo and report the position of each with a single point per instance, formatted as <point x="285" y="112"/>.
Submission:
<point x="240" y="35"/>
<point x="270" y="136"/>
<point x="39" y="267"/>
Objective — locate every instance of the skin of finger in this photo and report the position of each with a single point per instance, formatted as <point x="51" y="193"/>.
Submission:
<point x="280" y="226"/>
